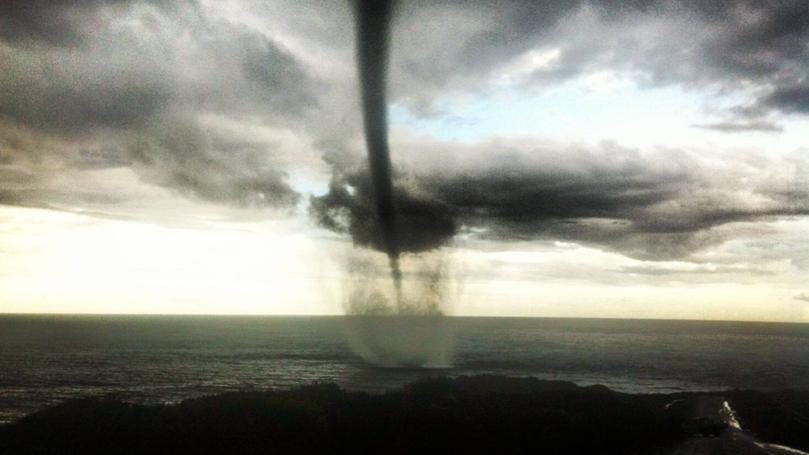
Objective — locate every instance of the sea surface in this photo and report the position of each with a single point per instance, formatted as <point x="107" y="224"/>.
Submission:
<point x="160" y="359"/>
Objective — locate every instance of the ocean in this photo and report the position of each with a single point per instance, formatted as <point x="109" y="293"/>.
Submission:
<point x="161" y="359"/>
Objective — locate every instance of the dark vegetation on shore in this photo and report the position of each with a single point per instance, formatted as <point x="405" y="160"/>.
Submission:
<point x="468" y="414"/>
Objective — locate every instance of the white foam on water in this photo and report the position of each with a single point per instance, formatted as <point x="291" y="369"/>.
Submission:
<point x="786" y="449"/>
<point x="401" y="341"/>
<point x="729" y="416"/>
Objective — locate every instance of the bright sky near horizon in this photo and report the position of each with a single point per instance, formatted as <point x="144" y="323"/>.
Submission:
<point x="565" y="158"/>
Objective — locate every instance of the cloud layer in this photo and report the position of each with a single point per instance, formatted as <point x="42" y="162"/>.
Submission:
<point x="657" y="205"/>
<point x="226" y="103"/>
<point x="136" y="83"/>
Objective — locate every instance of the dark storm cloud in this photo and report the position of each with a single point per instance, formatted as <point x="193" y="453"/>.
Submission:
<point x="112" y="81"/>
<point x="659" y="207"/>
<point x="758" y="49"/>
<point x="121" y="78"/>
<point x="519" y="26"/>
<point x="249" y="74"/>
<point x="56" y="23"/>
<point x="758" y="38"/>
<point x="72" y="104"/>
<point x="181" y="154"/>
<point x="423" y="223"/>
<point x="276" y="71"/>
<point x="104" y="84"/>
<point x="789" y="98"/>
<point x="766" y="43"/>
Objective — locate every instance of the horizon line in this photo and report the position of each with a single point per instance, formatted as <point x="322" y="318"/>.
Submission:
<point x="459" y="316"/>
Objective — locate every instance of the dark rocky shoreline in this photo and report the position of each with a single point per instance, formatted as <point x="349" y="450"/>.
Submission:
<point x="474" y="414"/>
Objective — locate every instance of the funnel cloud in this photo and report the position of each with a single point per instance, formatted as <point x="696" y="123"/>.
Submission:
<point x="373" y="33"/>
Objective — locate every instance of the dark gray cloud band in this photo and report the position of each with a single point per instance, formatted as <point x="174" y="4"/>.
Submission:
<point x="755" y="49"/>
<point x="659" y="206"/>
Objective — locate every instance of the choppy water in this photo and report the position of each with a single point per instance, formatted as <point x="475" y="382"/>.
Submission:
<point x="152" y="359"/>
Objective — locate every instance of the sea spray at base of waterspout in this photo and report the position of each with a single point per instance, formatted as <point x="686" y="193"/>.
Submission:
<point x="397" y="341"/>
<point x="411" y="331"/>
<point x="401" y="327"/>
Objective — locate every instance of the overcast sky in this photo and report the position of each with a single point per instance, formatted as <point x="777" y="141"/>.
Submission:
<point x="551" y="158"/>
